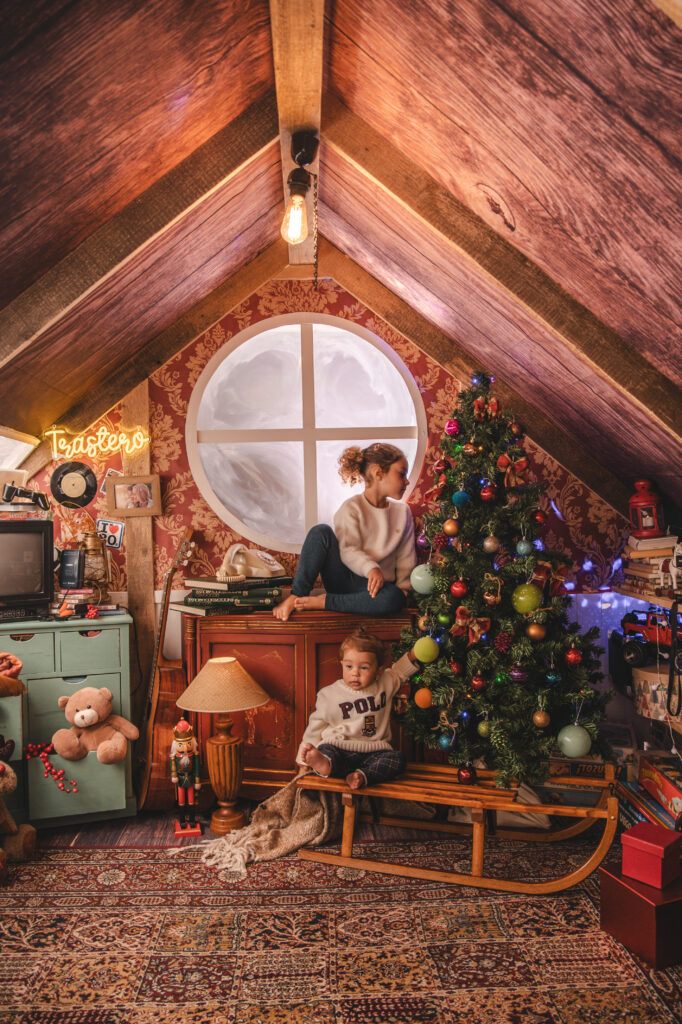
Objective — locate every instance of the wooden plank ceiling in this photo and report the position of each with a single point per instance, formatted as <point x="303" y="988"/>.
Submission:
<point x="509" y="173"/>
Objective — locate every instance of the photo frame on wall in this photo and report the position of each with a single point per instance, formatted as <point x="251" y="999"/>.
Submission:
<point x="134" y="496"/>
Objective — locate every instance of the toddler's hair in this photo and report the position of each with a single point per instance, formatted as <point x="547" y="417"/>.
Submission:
<point x="354" y="462"/>
<point x="361" y="640"/>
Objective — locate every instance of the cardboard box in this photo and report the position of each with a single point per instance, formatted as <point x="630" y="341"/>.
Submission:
<point x="650" y="688"/>
<point x="647" y="921"/>
<point x="651" y="854"/>
<point x="662" y="777"/>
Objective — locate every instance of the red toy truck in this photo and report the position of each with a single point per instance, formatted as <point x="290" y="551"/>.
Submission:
<point x="645" y="634"/>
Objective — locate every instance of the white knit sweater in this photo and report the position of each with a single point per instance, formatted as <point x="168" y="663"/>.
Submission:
<point x="371" y="538"/>
<point x="357" y="719"/>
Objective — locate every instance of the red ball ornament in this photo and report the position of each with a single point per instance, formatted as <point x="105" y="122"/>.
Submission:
<point x="488" y="493"/>
<point x="478" y="684"/>
<point x="539" y="517"/>
<point x="458" y="588"/>
<point x="466" y="774"/>
<point x="573" y="656"/>
<point x="456" y="667"/>
<point x="452" y="428"/>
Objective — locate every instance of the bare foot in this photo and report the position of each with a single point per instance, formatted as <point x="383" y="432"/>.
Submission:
<point x="283" y="610"/>
<point x="315" y="760"/>
<point x="356" y="780"/>
<point x="307" y="603"/>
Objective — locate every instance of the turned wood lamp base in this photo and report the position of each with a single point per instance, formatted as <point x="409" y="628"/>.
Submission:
<point x="224" y="759"/>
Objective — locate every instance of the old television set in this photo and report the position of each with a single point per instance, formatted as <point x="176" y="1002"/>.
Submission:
<point x="26" y="568"/>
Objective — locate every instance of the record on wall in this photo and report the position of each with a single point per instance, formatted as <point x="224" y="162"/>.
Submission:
<point x="73" y="484"/>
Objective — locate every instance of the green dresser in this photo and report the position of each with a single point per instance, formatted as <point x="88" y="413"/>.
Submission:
<point x="60" y="658"/>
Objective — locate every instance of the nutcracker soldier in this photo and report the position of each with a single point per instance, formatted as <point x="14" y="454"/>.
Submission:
<point x="185" y="776"/>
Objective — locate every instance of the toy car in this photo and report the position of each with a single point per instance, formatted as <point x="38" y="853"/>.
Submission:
<point x="646" y="635"/>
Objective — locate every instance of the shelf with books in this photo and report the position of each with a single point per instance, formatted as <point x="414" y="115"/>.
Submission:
<point x="650" y="598"/>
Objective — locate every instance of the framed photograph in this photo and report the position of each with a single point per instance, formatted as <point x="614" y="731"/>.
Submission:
<point x="134" y="496"/>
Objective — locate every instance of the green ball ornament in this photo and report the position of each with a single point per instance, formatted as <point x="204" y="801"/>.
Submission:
<point x="526" y="598"/>
<point x="444" y="619"/>
<point x="426" y="649"/>
<point x="574" y="741"/>
<point x="422" y="579"/>
<point x="483" y="729"/>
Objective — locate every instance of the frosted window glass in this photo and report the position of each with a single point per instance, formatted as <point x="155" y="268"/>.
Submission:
<point x="260" y="484"/>
<point x="356" y="384"/>
<point x="257" y="386"/>
<point x="331" y="491"/>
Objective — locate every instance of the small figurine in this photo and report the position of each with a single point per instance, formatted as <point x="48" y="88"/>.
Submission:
<point x="185" y="776"/>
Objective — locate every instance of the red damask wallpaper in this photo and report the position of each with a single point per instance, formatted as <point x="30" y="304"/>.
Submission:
<point x="579" y="523"/>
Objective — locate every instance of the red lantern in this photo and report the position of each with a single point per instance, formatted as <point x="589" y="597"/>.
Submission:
<point x="646" y="511"/>
<point x="458" y="588"/>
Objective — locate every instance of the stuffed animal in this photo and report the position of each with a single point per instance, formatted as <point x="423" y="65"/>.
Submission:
<point x="93" y="727"/>
<point x="16" y="843"/>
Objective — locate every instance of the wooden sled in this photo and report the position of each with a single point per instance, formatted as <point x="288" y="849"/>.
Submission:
<point x="437" y="784"/>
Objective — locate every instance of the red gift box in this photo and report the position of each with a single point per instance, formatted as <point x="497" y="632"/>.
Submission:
<point x="651" y="854"/>
<point x="647" y="921"/>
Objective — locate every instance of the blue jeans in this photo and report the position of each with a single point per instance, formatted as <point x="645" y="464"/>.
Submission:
<point x="376" y="766"/>
<point x="346" y="591"/>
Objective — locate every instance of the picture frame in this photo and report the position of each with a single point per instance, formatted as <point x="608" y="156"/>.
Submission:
<point x="129" y="496"/>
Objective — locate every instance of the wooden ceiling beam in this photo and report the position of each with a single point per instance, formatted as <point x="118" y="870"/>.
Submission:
<point x="438" y="346"/>
<point x="539" y="296"/>
<point x="149" y="216"/>
<point x="297" y="45"/>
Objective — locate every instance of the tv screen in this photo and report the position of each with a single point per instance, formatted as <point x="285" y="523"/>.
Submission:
<point x="26" y="572"/>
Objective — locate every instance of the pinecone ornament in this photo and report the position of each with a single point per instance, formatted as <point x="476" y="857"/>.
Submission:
<point x="503" y="642"/>
<point x="440" y="541"/>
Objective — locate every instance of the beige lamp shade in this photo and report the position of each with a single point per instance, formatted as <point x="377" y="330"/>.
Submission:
<point x="222" y="685"/>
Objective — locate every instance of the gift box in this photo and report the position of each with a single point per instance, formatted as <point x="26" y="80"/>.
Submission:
<point x="647" y="921"/>
<point x="651" y="854"/>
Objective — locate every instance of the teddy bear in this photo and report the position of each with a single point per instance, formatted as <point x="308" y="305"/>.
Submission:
<point x="16" y="842"/>
<point x="93" y="727"/>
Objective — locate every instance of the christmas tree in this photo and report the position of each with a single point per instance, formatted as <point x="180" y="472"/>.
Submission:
<point x="504" y="677"/>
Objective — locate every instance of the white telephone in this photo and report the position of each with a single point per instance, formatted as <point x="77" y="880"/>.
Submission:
<point x="248" y="562"/>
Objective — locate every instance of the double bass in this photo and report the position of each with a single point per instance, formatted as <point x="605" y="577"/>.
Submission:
<point x="166" y="682"/>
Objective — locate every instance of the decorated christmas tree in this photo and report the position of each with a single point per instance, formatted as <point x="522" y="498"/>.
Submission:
<point x="505" y="679"/>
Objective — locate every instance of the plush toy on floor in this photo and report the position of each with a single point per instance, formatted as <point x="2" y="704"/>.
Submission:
<point x="93" y="727"/>
<point x="16" y="842"/>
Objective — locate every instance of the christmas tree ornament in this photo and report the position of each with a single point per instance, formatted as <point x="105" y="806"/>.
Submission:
<point x="460" y="498"/>
<point x="539" y="517"/>
<point x="483" y="729"/>
<point x="399" y="704"/>
<point x="503" y="642"/>
<point x="491" y="544"/>
<point x="422" y="541"/>
<point x="422" y="579"/>
<point x="458" y="588"/>
<point x="466" y="774"/>
<point x="518" y="673"/>
<point x="574" y="740"/>
<point x="515" y="429"/>
<point x="440" y="541"/>
<point x="426" y="649"/>
<point x="488" y="492"/>
<point x="452" y="428"/>
<point x="444" y="619"/>
<point x="451" y="527"/>
<point x="441" y="465"/>
<point x="446" y="740"/>
<point x="553" y="677"/>
<point x="541" y="718"/>
<point x="456" y="667"/>
<point x="423" y="698"/>
<point x="536" y="631"/>
<point x="573" y="656"/>
<point x="526" y="598"/>
<point x="524" y="547"/>
<point x="478" y="683"/>
<point x="492" y="589"/>
<point x="423" y="623"/>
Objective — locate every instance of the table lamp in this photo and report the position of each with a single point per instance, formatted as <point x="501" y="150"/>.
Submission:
<point x="223" y="685"/>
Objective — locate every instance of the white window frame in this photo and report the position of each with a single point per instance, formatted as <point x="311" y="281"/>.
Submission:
<point x="307" y="433"/>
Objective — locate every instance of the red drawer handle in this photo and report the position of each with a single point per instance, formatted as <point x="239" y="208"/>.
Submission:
<point x="20" y="637"/>
<point x="89" y="632"/>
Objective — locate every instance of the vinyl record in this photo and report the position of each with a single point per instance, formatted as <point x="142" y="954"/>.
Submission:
<point x="73" y="484"/>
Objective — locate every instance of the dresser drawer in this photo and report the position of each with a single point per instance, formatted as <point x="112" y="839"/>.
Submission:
<point x="35" y="650"/>
<point x="90" y="650"/>
<point x="100" y="786"/>
<point x="44" y="714"/>
<point x="10" y="720"/>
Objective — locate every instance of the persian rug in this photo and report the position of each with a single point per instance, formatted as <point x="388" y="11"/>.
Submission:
<point x="131" y="935"/>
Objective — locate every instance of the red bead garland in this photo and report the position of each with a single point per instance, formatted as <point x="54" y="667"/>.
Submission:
<point x="43" y="751"/>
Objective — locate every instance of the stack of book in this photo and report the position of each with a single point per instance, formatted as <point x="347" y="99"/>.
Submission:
<point x="75" y="601"/>
<point x="646" y="567"/>
<point x="210" y="595"/>
<point x="656" y="795"/>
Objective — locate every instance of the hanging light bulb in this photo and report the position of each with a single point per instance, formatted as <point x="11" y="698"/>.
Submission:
<point x="295" y="223"/>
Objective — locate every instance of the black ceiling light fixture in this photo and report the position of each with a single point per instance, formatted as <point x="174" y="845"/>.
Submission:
<point x="295" y="224"/>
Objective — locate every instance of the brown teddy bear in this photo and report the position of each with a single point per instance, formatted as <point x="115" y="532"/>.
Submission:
<point x="16" y="843"/>
<point x="93" y="727"/>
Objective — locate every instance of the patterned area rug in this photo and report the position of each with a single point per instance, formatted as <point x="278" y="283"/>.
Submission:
<point x="135" y="936"/>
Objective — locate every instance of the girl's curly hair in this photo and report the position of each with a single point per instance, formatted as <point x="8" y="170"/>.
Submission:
<point x="354" y="461"/>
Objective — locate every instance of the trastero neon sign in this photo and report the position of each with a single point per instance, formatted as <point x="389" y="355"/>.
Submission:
<point x="102" y="442"/>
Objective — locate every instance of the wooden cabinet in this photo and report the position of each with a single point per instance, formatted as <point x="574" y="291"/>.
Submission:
<point x="291" y="661"/>
<point x="58" y="659"/>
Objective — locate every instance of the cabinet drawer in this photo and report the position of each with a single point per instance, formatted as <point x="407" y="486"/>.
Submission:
<point x="44" y="714"/>
<point x="10" y="720"/>
<point x="36" y="650"/>
<point x="90" y="650"/>
<point x="101" y="787"/>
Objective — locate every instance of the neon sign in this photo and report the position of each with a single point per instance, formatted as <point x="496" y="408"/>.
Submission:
<point x="102" y="442"/>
